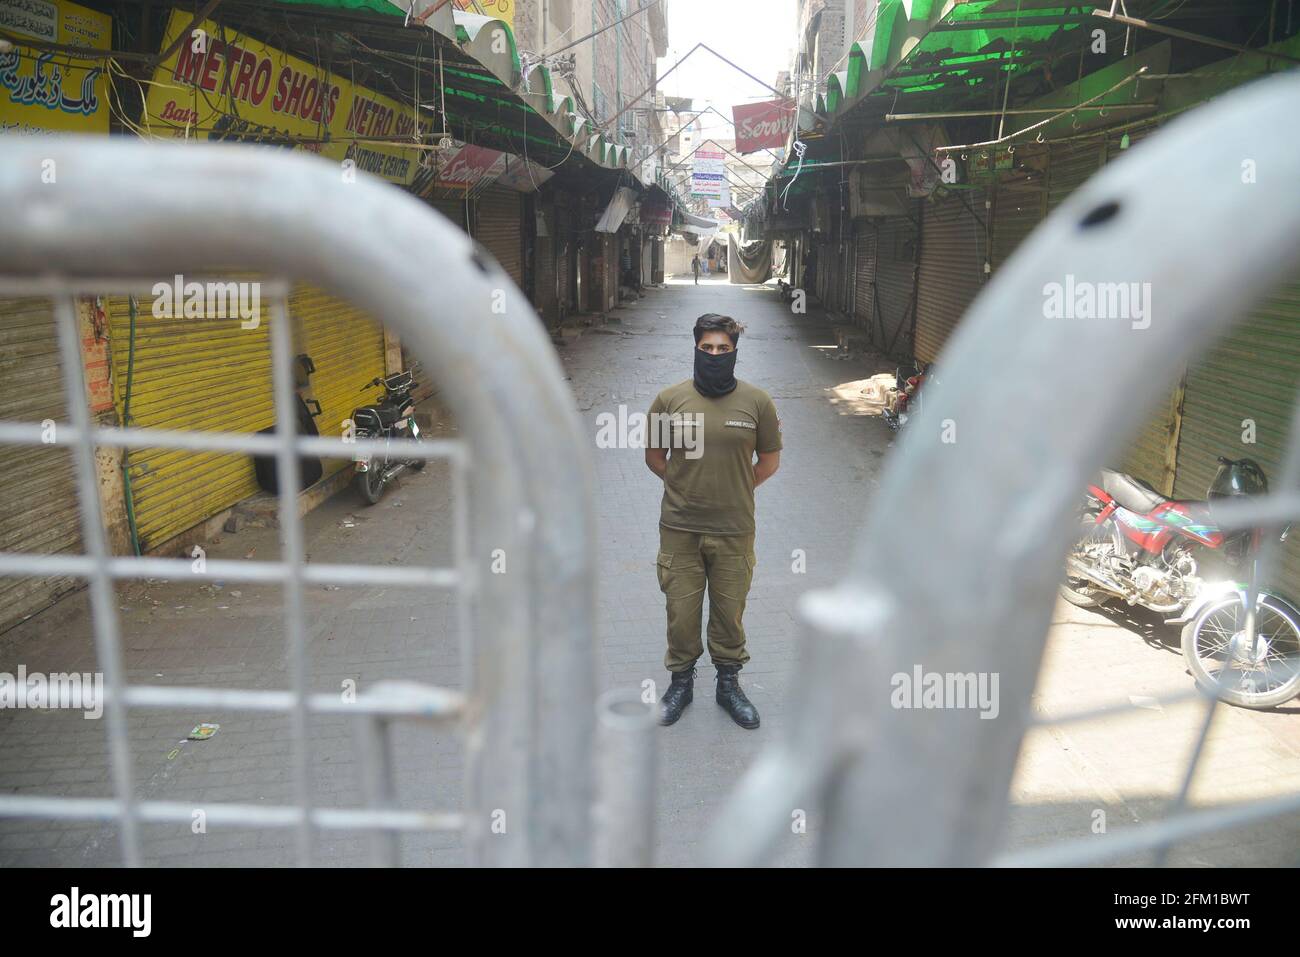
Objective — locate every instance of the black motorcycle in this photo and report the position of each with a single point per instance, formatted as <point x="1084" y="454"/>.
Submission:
<point x="392" y="417"/>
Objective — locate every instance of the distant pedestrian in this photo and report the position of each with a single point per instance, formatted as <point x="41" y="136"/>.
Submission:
<point x="706" y="522"/>
<point x="695" y="267"/>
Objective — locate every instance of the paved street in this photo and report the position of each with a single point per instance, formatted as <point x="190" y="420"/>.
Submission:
<point x="182" y="633"/>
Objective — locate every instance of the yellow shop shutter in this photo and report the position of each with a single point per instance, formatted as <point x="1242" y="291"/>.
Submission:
<point x="38" y="491"/>
<point x="194" y="374"/>
<point x="347" y="348"/>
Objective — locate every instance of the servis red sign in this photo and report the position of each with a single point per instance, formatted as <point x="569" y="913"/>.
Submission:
<point x="763" y="125"/>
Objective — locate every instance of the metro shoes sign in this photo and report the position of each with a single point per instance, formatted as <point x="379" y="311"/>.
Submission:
<point x="764" y="125"/>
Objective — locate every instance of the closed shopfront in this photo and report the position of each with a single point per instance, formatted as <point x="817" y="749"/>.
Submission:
<point x="347" y="349"/>
<point x="1069" y="166"/>
<point x="1018" y="207"/>
<point x="38" y="496"/>
<point x="1151" y="454"/>
<point x="499" y="227"/>
<point x="1238" y="403"/>
<point x="646" y="242"/>
<point x="212" y="374"/>
<point x="896" y="249"/>
<point x="864" y="278"/>
<point x="453" y="207"/>
<point x="844" y="288"/>
<point x="564" y="253"/>
<point x="197" y="373"/>
<point x="954" y="248"/>
<point x="545" y="287"/>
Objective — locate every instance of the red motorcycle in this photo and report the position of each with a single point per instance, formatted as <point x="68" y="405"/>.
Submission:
<point x="905" y="399"/>
<point x="1171" y="557"/>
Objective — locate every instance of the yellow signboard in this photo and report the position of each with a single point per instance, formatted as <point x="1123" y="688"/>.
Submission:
<point x="221" y="85"/>
<point x="43" y="91"/>
<point x="503" y="10"/>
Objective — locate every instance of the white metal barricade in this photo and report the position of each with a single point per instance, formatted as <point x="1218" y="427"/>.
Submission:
<point x="122" y="213"/>
<point x="977" y="528"/>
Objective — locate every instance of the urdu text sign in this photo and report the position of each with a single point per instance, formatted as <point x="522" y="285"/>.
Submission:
<point x="42" y="91"/>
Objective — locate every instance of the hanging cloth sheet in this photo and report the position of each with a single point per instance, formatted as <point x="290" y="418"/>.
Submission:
<point x="749" y="263"/>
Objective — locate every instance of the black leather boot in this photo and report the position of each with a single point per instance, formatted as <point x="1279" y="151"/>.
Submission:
<point x="731" y="697"/>
<point x="679" y="694"/>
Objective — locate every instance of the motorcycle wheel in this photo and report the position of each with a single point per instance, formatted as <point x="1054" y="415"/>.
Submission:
<point x="1077" y="591"/>
<point x="370" y="484"/>
<point x="1271" y="678"/>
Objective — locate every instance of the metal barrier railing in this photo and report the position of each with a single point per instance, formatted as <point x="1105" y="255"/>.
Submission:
<point x="977" y="527"/>
<point x="122" y="212"/>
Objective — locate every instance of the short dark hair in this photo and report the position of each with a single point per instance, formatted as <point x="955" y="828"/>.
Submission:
<point x="712" y="322"/>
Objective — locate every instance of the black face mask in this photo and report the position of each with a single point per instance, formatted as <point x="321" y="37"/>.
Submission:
<point x="715" y="375"/>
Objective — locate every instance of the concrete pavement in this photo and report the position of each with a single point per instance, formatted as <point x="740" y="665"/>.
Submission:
<point x="182" y="633"/>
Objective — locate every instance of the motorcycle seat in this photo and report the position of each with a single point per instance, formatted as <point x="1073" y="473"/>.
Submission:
<point x="388" y="414"/>
<point x="365" y="416"/>
<point x="1132" y="493"/>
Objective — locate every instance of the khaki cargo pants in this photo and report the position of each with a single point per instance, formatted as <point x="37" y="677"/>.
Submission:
<point x="687" y="564"/>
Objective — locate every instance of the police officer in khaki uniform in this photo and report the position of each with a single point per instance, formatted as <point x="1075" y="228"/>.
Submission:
<point x="713" y="425"/>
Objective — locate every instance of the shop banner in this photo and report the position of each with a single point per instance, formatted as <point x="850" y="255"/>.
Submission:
<point x="42" y="91"/>
<point x="708" y="172"/>
<point x="220" y="85"/>
<point x="503" y="10"/>
<point x="723" y="199"/>
<point x="656" y="213"/>
<point x="523" y="175"/>
<point x="761" y="126"/>
<point x="469" y="168"/>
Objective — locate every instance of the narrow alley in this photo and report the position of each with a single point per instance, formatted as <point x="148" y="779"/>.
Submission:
<point x="214" y="634"/>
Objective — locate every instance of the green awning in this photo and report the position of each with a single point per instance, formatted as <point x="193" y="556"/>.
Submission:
<point x="923" y="45"/>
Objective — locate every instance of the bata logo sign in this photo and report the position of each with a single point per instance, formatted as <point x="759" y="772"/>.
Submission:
<point x="763" y="125"/>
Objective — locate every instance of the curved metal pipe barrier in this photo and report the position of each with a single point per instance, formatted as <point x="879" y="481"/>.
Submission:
<point x="957" y="567"/>
<point x="123" y="209"/>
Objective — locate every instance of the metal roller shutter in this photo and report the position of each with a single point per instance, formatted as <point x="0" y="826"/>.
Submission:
<point x="1250" y="377"/>
<point x="453" y="207"/>
<point x="864" y="279"/>
<point x="563" y="259"/>
<point x="200" y="374"/>
<point x="499" y="227"/>
<point x="825" y="267"/>
<point x="1017" y="208"/>
<point x="347" y="349"/>
<point x="1069" y="166"/>
<point x="845" y="286"/>
<point x="545" y="282"/>
<point x="895" y="282"/>
<point x="1153" y="452"/>
<point x="38" y="493"/>
<point x="953" y="252"/>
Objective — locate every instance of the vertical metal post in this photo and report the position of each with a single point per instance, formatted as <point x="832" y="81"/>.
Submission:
<point x="625" y="778"/>
<point x="374" y="737"/>
<point x="103" y="607"/>
<point x="288" y="474"/>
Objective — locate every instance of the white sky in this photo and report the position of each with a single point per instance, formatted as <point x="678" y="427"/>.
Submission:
<point x="758" y="35"/>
